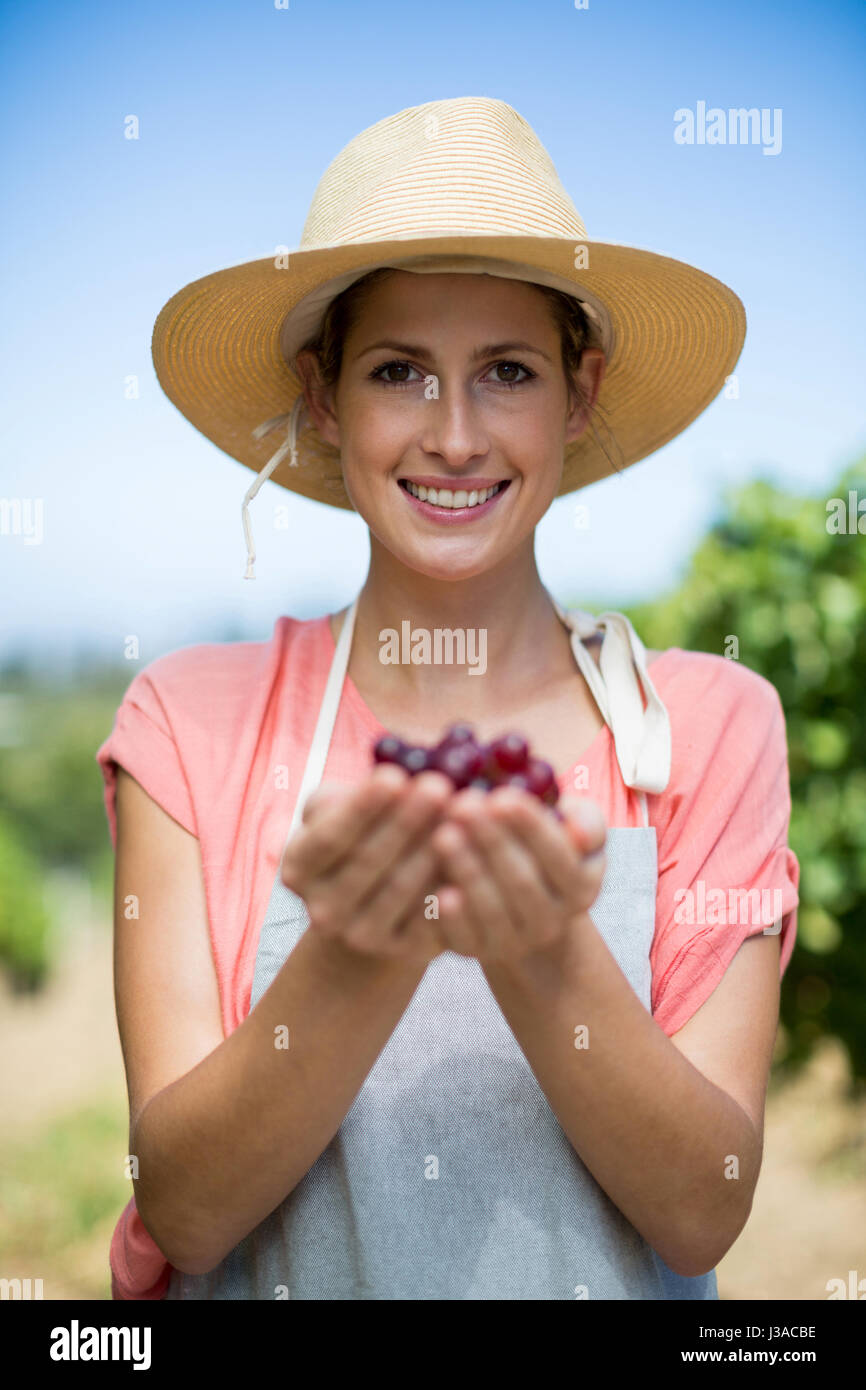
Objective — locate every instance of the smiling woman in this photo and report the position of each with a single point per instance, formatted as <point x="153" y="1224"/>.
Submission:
<point x="388" y="1037"/>
<point x="494" y="427"/>
<point x="373" y="299"/>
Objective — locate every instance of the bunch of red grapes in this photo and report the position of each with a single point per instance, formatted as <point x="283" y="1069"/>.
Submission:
<point x="506" y="761"/>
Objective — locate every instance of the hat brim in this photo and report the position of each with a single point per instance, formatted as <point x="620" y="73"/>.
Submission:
<point x="678" y="333"/>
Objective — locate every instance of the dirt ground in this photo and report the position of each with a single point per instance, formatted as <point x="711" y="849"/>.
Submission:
<point x="808" y="1222"/>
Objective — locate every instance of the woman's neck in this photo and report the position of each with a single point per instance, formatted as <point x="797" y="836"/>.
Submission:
<point x="449" y="645"/>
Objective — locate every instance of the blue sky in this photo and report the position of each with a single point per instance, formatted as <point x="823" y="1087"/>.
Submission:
<point x="241" y="108"/>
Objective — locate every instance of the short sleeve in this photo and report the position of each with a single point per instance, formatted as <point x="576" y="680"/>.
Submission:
<point x="143" y="742"/>
<point x="139" y="1270"/>
<point x="726" y="871"/>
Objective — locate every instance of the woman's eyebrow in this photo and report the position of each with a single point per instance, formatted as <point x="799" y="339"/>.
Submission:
<point x="488" y="350"/>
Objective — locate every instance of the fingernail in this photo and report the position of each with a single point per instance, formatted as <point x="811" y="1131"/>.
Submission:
<point x="590" y="816"/>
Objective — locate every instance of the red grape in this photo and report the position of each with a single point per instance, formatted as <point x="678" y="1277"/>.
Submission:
<point x="388" y="749"/>
<point x="458" y="733"/>
<point x="510" y="752"/>
<point x="460" y="761"/>
<point x="416" y="759"/>
<point x="542" y="780"/>
<point x="506" y="761"/>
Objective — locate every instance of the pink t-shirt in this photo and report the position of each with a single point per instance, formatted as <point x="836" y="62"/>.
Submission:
<point x="218" y="735"/>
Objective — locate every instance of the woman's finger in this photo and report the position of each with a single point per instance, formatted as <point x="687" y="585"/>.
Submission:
<point x="418" y="934"/>
<point x="585" y="822"/>
<point x="454" y="930"/>
<point x="535" y="906"/>
<point x="335" y="828"/>
<point x="571" y="877"/>
<point x="485" y="909"/>
<point x="390" y="837"/>
<point x="326" y="794"/>
<point x="397" y="901"/>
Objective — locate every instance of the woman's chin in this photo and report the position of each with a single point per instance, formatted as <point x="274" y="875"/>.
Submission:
<point x="443" y="560"/>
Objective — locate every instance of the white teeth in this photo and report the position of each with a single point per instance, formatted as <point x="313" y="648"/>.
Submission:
<point x="447" y="497"/>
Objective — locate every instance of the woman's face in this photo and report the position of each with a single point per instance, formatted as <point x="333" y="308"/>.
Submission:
<point x="452" y="382"/>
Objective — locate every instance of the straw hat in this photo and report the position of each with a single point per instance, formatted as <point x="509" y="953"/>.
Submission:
<point x="462" y="184"/>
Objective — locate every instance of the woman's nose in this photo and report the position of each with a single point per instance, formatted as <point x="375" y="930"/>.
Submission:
<point x="452" y="424"/>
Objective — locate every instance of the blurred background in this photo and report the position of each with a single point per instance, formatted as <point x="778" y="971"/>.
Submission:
<point x="118" y="520"/>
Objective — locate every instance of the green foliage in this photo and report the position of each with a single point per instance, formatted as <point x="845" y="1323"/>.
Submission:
<point x="61" y="1189"/>
<point x="793" y="593"/>
<point x="52" y="811"/>
<point x="24" y="920"/>
<point x="50" y="784"/>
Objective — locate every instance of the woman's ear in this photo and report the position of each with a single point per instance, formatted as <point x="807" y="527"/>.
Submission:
<point x="318" y="397"/>
<point x="588" y="377"/>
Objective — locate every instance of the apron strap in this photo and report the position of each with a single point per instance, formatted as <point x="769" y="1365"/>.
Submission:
<point x="642" y="737"/>
<point x="318" y="754"/>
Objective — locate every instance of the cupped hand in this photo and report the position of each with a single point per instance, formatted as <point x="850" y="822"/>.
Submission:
<point x="363" y="861"/>
<point x="515" y="877"/>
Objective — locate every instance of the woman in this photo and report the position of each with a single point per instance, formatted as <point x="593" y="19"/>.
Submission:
<point x="430" y="1043"/>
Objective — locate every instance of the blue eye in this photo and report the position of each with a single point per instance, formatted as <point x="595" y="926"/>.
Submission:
<point x="378" y="373"/>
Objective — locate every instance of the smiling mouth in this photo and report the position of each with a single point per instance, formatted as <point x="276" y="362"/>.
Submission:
<point x="453" y="499"/>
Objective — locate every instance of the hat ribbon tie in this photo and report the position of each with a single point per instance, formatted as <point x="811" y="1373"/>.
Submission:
<point x="289" y="445"/>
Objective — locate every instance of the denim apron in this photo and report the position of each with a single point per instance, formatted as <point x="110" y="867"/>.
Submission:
<point x="450" y="1176"/>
